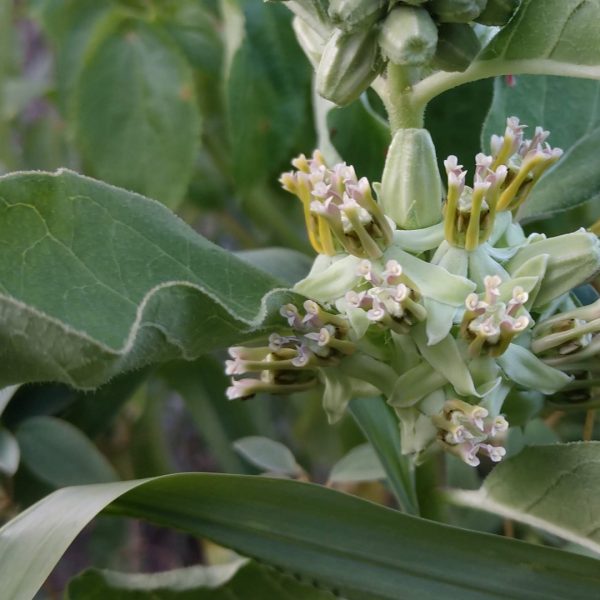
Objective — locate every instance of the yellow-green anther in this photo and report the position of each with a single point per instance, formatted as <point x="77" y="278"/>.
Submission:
<point x="503" y="147"/>
<point x="408" y="36"/>
<point x="456" y="185"/>
<point x="411" y="189"/>
<point x="350" y="62"/>
<point x="457" y="47"/>
<point x="456" y="11"/>
<point x="353" y="14"/>
<point x="498" y="12"/>
<point x="472" y="236"/>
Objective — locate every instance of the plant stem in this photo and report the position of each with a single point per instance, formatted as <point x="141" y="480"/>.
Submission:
<point x="588" y="426"/>
<point x="399" y="100"/>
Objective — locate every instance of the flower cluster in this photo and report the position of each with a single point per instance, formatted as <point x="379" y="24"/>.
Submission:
<point x="339" y="209"/>
<point x="438" y="309"/>
<point x="466" y="430"/>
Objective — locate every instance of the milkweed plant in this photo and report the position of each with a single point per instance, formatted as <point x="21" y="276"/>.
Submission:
<point x="447" y="319"/>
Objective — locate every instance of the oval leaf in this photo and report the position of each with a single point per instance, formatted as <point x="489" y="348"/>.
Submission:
<point x="360" y="464"/>
<point x="59" y="454"/>
<point x="135" y="113"/>
<point x="268" y="454"/>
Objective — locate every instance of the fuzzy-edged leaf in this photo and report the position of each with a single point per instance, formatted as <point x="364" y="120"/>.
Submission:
<point x="544" y="37"/>
<point x="59" y="454"/>
<point x="9" y="453"/>
<point x="238" y="580"/>
<point x="135" y="113"/>
<point x="554" y="488"/>
<point x="360" y="464"/>
<point x="268" y="455"/>
<point x="540" y="100"/>
<point x="96" y="281"/>
<point x="360" y="550"/>
<point x="526" y="369"/>
<point x="5" y="396"/>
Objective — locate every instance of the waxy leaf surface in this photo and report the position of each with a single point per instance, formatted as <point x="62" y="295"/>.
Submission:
<point x="361" y="550"/>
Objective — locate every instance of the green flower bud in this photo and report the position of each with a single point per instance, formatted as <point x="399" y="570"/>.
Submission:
<point x="408" y="36"/>
<point x="572" y="259"/>
<point x="456" y="11"/>
<point x="313" y="12"/>
<point x="411" y="189"/>
<point x="349" y="64"/>
<point x="350" y="15"/>
<point x="457" y="46"/>
<point x="498" y="12"/>
<point x="310" y="41"/>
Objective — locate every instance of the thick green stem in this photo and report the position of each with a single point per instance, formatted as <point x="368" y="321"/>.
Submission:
<point x="403" y="112"/>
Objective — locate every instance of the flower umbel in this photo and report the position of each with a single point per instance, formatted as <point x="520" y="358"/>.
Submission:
<point x="437" y="326"/>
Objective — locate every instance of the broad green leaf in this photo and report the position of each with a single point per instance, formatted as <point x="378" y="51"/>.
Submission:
<point x="135" y="114"/>
<point x="268" y="95"/>
<point x="268" y="454"/>
<point x="239" y="580"/>
<point x="361" y="550"/>
<point x="59" y="454"/>
<point x="361" y="137"/>
<point x="554" y="488"/>
<point x="96" y="281"/>
<point x="380" y="426"/>
<point x="360" y="464"/>
<point x="544" y="37"/>
<point x="541" y="100"/>
<point x="9" y="453"/>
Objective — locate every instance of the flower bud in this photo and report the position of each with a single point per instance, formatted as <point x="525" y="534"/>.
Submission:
<point x="349" y="63"/>
<point x="310" y="41"/>
<point x="350" y="15"/>
<point x="456" y="11"/>
<point x="411" y="189"/>
<point x="312" y="12"/>
<point x="497" y="12"/>
<point x="457" y="46"/>
<point x="408" y="36"/>
<point x="572" y="259"/>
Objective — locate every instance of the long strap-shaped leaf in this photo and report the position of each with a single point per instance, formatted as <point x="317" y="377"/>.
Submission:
<point x="361" y="550"/>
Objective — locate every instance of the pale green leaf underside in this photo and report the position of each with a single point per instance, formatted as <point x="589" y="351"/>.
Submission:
<point x="361" y="550"/>
<point x="95" y="280"/>
<point x="554" y="488"/>
<point x="544" y="37"/>
<point x="239" y="580"/>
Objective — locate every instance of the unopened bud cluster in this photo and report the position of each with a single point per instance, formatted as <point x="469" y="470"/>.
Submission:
<point x="351" y="41"/>
<point x="441" y="304"/>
